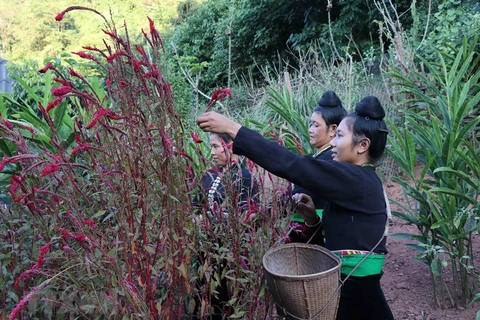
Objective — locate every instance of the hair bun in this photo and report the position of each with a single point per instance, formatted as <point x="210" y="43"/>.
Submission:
<point x="330" y="99"/>
<point x="370" y="107"/>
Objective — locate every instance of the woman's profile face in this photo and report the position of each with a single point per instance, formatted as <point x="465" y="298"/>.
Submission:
<point x="343" y="149"/>
<point x="218" y="152"/>
<point x="320" y="135"/>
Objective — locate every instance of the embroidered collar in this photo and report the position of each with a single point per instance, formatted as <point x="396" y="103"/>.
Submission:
<point x="316" y="154"/>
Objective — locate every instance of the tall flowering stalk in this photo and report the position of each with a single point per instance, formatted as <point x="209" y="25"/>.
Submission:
<point x="117" y="201"/>
<point x="110" y="215"/>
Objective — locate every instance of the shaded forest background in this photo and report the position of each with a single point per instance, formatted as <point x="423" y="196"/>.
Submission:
<point x="220" y="38"/>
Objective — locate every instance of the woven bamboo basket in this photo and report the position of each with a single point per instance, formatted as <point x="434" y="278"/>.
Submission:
<point x="303" y="280"/>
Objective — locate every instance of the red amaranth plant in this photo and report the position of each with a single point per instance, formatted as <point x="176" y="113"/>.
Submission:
<point x="111" y="216"/>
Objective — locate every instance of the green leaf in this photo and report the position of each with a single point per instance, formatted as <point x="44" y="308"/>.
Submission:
<point x="475" y="299"/>
<point x="150" y="249"/>
<point x="436" y="267"/>
<point x="5" y="149"/>
<point x="452" y="192"/>
<point x="88" y="308"/>
<point x="59" y="114"/>
<point x="460" y="174"/>
<point x="408" y="236"/>
<point x="3" y="108"/>
<point x="441" y="223"/>
<point x="237" y="315"/>
<point x="415" y="247"/>
<point x="26" y="87"/>
<point x="99" y="214"/>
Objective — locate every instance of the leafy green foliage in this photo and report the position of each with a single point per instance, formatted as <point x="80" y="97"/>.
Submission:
<point x="20" y="39"/>
<point x="440" y="134"/>
<point x="453" y="20"/>
<point x="257" y="33"/>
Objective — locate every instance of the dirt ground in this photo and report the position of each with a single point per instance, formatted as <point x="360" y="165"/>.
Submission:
<point x="406" y="281"/>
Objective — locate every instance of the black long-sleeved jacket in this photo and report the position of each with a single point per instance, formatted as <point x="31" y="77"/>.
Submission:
<point x="355" y="215"/>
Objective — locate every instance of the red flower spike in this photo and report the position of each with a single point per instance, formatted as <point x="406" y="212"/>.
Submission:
<point x="90" y="223"/>
<point x="4" y="162"/>
<point x="61" y="91"/>
<point x="24" y="302"/>
<point x="48" y="170"/>
<point x="115" y="55"/>
<point x="103" y="112"/>
<point x="59" y="17"/>
<point x="136" y="65"/>
<point x="23" y="126"/>
<point x="84" y="55"/>
<point x="6" y="123"/>
<point x="195" y="137"/>
<point x="48" y="66"/>
<point x="141" y="50"/>
<point x="217" y="96"/>
<point x="80" y="237"/>
<point x="54" y="103"/>
<point x="65" y="234"/>
<point x="73" y="73"/>
<point x="63" y="82"/>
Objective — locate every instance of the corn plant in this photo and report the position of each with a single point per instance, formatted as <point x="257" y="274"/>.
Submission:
<point x="440" y="135"/>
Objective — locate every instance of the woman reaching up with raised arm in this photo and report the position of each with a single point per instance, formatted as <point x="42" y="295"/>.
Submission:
<point x="355" y="216"/>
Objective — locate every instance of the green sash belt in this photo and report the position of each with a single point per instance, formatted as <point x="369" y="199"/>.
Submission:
<point x="371" y="265"/>
<point x="296" y="217"/>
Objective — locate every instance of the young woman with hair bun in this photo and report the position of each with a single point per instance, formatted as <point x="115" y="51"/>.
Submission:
<point x="355" y="216"/>
<point x="324" y="121"/>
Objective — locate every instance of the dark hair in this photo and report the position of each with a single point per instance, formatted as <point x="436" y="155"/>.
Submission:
<point x="331" y="108"/>
<point x="223" y="136"/>
<point x="368" y="123"/>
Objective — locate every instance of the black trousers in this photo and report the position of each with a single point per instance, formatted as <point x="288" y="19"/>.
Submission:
<point x="362" y="298"/>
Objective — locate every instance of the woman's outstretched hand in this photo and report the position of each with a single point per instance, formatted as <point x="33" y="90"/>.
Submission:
<point x="214" y="122"/>
<point x="305" y="208"/>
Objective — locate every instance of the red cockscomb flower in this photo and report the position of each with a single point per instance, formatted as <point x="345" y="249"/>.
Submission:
<point x="75" y="74"/>
<point x="116" y="54"/>
<point x="6" y="123"/>
<point x="61" y="91"/>
<point x="48" y="66"/>
<point x="218" y="95"/>
<point x="51" y="168"/>
<point x="90" y="223"/>
<point x="54" y="103"/>
<point x="4" y="162"/>
<point x="65" y="233"/>
<point x="103" y="112"/>
<point x="63" y="82"/>
<point x="195" y="137"/>
<point x="23" y="303"/>
<point x="59" y="17"/>
<point x="80" y="237"/>
<point x="84" y="55"/>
